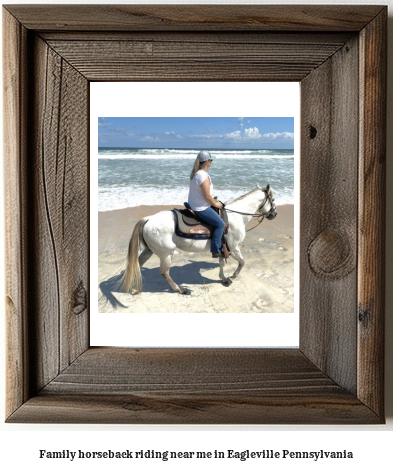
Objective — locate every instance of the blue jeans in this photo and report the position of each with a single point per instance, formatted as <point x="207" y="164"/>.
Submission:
<point x="211" y="217"/>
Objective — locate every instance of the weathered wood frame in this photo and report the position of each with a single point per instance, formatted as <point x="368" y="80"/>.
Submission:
<point x="338" y="54"/>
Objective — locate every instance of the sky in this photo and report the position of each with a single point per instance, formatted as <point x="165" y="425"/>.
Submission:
<point x="196" y="132"/>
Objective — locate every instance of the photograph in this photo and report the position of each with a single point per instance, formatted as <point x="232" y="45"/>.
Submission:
<point x="197" y="206"/>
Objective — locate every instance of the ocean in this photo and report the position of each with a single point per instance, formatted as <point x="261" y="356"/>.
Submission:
<point x="129" y="177"/>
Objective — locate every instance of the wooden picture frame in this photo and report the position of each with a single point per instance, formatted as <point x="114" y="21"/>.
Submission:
<point x="338" y="54"/>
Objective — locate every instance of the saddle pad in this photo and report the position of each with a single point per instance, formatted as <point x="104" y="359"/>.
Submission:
<point x="188" y="227"/>
<point x="196" y="230"/>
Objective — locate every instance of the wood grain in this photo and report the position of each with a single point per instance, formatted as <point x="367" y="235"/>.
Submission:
<point x="194" y="370"/>
<point x="193" y="386"/>
<point x="201" y="37"/>
<point x="51" y="54"/>
<point x="372" y="191"/>
<point x="239" y="409"/>
<point x="14" y="69"/>
<point x="193" y="17"/>
<point x="329" y="174"/>
<point x="216" y="60"/>
<point x="60" y="218"/>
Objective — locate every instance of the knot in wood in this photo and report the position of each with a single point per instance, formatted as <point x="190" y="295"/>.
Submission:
<point x="330" y="254"/>
<point x="80" y="299"/>
<point x="313" y="132"/>
<point x="364" y="316"/>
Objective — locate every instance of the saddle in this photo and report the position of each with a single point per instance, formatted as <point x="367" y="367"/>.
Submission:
<point x="189" y="226"/>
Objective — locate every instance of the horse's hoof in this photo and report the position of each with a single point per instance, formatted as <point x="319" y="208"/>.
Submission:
<point x="227" y="282"/>
<point x="185" y="291"/>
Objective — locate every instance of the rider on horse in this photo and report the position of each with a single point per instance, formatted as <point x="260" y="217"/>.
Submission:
<point x="201" y="201"/>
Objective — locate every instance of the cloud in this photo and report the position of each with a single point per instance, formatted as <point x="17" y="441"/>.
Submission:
<point x="234" y="135"/>
<point x="102" y="122"/>
<point x="240" y="120"/>
<point x="288" y="135"/>
<point x="173" y="134"/>
<point x="204" y="136"/>
<point x="252" y="133"/>
<point x="148" y="138"/>
<point x="279" y="136"/>
<point x="122" y="131"/>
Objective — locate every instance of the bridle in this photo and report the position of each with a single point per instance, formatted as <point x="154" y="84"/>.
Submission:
<point x="261" y="215"/>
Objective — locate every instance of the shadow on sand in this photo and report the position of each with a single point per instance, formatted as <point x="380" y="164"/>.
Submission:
<point x="153" y="282"/>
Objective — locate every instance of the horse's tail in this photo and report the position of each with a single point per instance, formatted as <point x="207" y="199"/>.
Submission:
<point x="132" y="277"/>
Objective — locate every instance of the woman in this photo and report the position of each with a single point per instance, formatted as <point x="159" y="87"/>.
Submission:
<point x="200" y="200"/>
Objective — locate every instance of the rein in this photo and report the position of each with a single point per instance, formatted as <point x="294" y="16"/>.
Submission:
<point x="262" y="216"/>
<point x="244" y="213"/>
<point x="259" y="222"/>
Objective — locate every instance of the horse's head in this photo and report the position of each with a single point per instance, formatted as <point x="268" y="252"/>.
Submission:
<point x="268" y="206"/>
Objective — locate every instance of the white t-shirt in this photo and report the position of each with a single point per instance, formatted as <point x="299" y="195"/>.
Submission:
<point x="195" y="197"/>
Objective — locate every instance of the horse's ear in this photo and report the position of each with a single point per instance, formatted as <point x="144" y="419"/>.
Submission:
<point x="268" y="188"/>
<point x="258" y="187"/>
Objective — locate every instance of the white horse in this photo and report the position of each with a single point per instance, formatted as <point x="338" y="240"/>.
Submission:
<point x="156" y="234"/>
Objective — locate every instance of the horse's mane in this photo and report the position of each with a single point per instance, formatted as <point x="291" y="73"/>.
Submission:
<point x="245" y="195"/>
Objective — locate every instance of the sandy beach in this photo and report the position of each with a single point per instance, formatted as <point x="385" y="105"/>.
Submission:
<point x="265" y="284"/>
